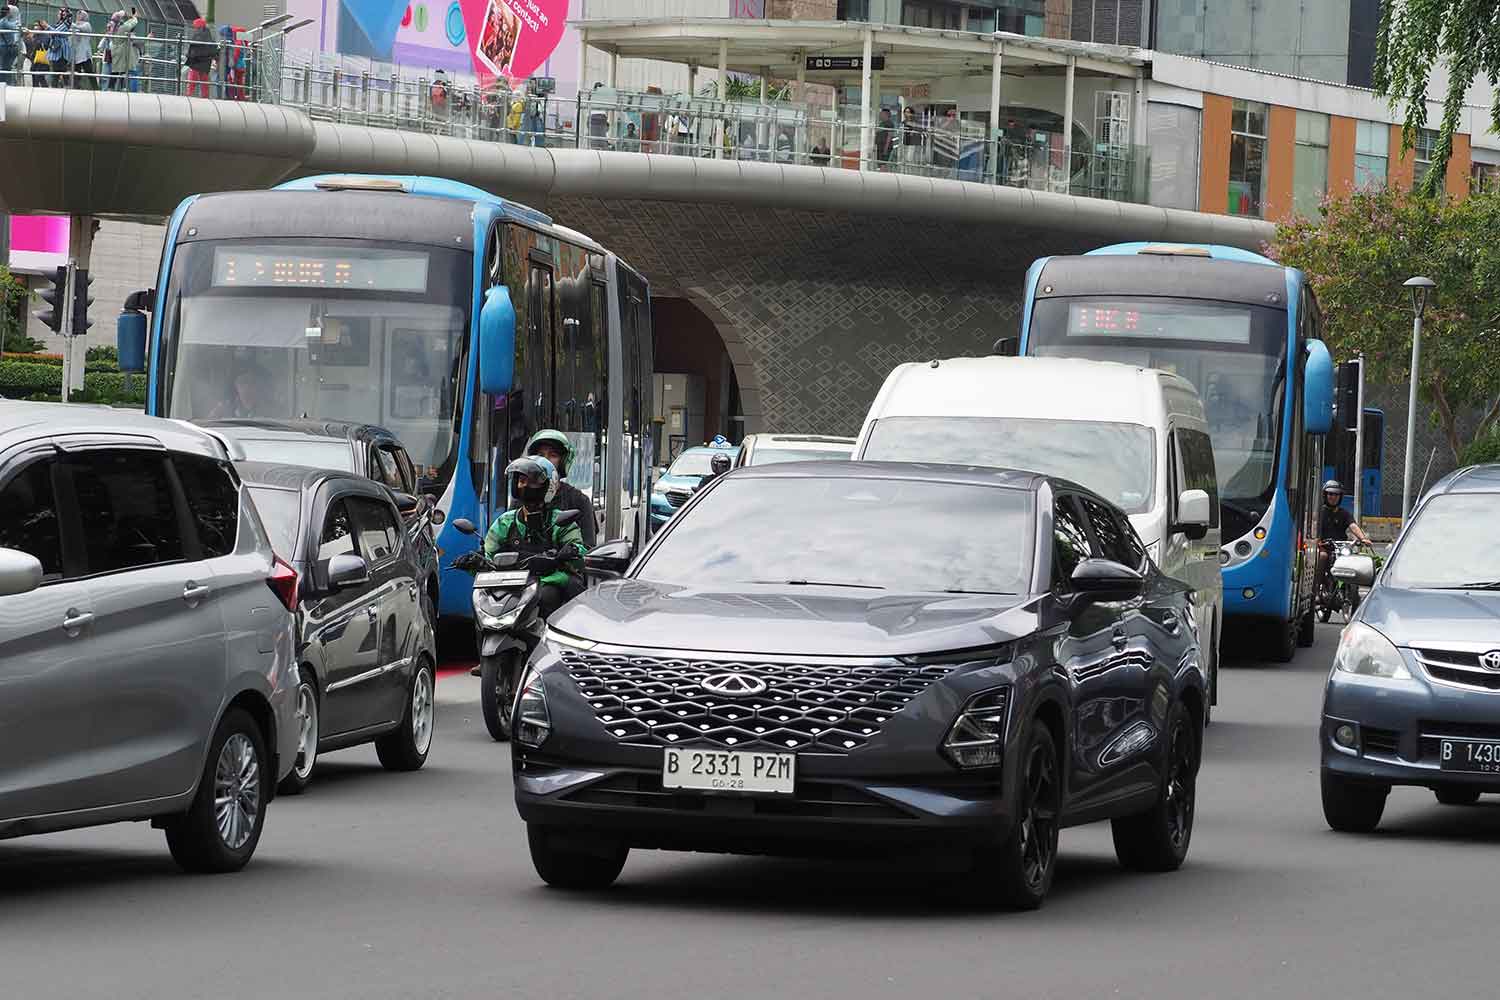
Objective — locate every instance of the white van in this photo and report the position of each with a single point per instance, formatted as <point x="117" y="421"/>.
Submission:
<point x="1135" y="436"/>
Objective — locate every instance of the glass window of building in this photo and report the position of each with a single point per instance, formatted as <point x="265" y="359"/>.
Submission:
<point x="1173" y="134"/>
<point x="1372" y="145"/>
<point x="1310" y="168"/>
<point x="1247" y="158"/>
<point x="1422" y="150"/>
<point x="853" y="10"/>
<point x="1484" y="178"/>
<point x="936" y="14"/>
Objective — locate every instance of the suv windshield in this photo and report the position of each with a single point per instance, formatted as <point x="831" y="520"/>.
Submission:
<point x="888" y="534"/>
<point x="1429" y="558"/>
<point x="1117" y="461"/>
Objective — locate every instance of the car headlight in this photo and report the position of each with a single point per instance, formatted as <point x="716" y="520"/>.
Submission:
<point x="660" y="486"/>
<point x="976" y="737"/>
<point x="533" y="723"/>
<point x="1362" y="650"/>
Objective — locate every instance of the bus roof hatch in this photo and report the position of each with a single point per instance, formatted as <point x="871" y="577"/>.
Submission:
<point x="360" y="184"/>
<point x="1174" y="250"/>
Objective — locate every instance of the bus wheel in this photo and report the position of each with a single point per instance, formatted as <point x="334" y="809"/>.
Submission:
<point x="1307" y="627"/>
<point x="1282" y="641"/>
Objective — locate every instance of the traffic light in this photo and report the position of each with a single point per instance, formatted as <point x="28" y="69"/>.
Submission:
<point x="1346" y="396"/>
<point x="52" y="316"/>
<point x="81" y="302"/>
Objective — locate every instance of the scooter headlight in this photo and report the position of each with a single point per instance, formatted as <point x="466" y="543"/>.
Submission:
<point x="492" y="612"/>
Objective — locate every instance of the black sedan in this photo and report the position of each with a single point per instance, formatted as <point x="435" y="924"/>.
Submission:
<point x="365" y="614"/>
<point x="849" y="657"/>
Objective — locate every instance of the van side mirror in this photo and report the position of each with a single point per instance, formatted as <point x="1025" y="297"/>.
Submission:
<point x="611" y="559"/>
<point x="20" y="572"/>
<point x="1360" y="569"/>
<point x="1194" y="514"/>
<point x="497" y="342"/>
<point x="1107" y="580"/>
<point x="1008" y="347"/>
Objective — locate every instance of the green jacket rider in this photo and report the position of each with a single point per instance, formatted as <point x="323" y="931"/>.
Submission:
<point x="532" y="528"/>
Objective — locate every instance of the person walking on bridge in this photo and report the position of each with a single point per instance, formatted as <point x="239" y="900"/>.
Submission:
<point x="199" y="59"/>
<point x="80" y="47"/>
<point x="10" y="43"/>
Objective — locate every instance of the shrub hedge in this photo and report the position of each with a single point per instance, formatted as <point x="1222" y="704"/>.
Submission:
<point x="24" y="379"/>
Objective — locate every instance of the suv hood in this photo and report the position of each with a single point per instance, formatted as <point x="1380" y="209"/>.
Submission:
<point x="793" y="621"/>
<point x="1435" y="618"/>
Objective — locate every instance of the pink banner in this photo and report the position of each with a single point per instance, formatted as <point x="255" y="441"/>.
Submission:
<point x="38" y="242"/>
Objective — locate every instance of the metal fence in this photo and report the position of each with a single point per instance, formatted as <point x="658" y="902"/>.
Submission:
<point x="86" y="60"/>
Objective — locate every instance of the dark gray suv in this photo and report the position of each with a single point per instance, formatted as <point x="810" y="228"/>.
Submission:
<point x="1414" y="694"/>
<point x="829" y="658"/>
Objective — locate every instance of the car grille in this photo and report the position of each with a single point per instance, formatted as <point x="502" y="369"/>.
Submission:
<point x="1456" y="666"/>
<point x="1381" y="741"/>
<point x="678" y="497"/>
<point x="813" y="800"/>
<point x="1433" y="731"/>
<point x="814" y="708"/>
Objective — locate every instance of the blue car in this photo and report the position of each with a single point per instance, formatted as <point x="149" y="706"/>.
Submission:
<point x="1414" y="694"/>
<point x="673" y="489"/>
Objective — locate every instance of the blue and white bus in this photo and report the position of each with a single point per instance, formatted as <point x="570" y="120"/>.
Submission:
<point x="459" y="320"/>
<point x="1247" y="333"/>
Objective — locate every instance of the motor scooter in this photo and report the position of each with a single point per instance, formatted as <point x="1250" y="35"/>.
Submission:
<point x="508" y="626"/>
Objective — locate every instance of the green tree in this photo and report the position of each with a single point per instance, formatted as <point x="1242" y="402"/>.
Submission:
<point x="1366" y="245"/>
<point x="1415" y="36"/>
<point x="13" y="296"/>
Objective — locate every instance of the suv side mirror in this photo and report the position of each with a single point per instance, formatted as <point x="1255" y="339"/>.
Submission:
<point x="1194" y="513"/>
<point x="405" y="503"/>
<point x="1360" y="569"/>
<point x="347" y="570"/>
<point x="611" y="559"/>
<point x="20" y="572"/>
<point x="1107" y="580"/>
<point x="465" y="526"/>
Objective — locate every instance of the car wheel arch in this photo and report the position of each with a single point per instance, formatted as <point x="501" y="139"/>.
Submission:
<point x="1049" y="711"/>
<point x="258" y="707"/>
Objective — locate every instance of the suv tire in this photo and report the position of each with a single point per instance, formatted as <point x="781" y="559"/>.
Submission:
<point x="575" y="867"/>
<point x="1352" y="806"/>
<point x="236" y="767"/>
<point x="1019" y="873"/>
<point x="1157" y="839"/>
<point x="1457" y="796"/>
<point x="298" y="778"/>
<point x="405" y="747"/>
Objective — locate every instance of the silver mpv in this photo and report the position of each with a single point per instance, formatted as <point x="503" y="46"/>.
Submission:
<point x="147" y="668"/>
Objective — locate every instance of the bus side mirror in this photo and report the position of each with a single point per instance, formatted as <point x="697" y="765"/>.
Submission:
<point x="1317" y="389"/>
<point x="497" y="342"/>
<point x="130" y="341"/>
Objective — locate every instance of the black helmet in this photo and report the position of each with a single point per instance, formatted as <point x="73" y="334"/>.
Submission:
<point x="1333" y="486"/>
<point x="719" y="464"/>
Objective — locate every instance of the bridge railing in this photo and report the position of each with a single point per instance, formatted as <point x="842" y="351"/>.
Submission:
<point x="170" y="64"/>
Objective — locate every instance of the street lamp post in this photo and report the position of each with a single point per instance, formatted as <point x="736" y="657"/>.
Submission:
<point x="1421" y="290"/>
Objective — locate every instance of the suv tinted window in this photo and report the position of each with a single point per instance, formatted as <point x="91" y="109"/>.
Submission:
<point x="1114" y="537"/>
<point x="338" y="533"/>
<point x="408" y="472"/>
<point x="126" y="509"/>
<point x="214" y="501"/>
<point x="28" y="518"/>
<point x="377" y="528"/>
<point x="1195" y="457"/>
<point x="1070" y="541"/>
<point x="383" y="469"/>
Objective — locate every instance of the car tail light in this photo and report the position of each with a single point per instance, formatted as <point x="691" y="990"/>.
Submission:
<point x="283" y="583"/>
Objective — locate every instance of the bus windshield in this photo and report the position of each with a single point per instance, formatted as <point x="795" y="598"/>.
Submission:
<point x="1234" y="354"/>
<point x="350" y="330"/>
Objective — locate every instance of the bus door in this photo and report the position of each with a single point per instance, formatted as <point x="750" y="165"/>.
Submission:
<point x="528" y="406"/>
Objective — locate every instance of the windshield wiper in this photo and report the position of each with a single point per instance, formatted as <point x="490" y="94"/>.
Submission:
<point x="982" y="593"/>
<point x="1478" y="585"/>
<point x="823" y="583"/>
<point x="1240" y="508"/>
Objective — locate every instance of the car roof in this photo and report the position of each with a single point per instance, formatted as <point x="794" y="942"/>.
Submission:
<point x="1472" y="479"/>
<point x="802" y="439"/>
<point x="1060" y="388"/>
<point x="25" y="421"/>
<point x="926" y="471"/>
<point x="284" y="476"/>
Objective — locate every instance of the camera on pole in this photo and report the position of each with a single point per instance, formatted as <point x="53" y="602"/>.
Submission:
<point x="56" y="299"/>
<point x="81" y="302"/>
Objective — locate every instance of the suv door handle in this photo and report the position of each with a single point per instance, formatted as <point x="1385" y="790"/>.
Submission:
<point x="194" y="591"/>
<point x="73" y="619"/>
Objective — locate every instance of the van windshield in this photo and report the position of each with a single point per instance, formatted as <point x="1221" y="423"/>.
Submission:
<point x="1115" y="460"/>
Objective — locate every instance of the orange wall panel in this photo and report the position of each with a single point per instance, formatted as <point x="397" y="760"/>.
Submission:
<point x="1213" y="161"/>
<point x="1398" y="170"/>
<point x="1341" y="136"/>
<point x="1281" y="142"/>
<point x="1457" y="178"/>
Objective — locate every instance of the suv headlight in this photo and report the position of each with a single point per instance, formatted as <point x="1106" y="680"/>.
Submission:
<point x="1362" y="650"/>
<point x="533" y="724"/>
<point x="977" y="736"/>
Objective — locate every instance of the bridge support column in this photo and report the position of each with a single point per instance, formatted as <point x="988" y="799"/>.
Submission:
<point x="864" y="100"/>
<point x="996" y="134"/>
<point x="1068" y="124"/>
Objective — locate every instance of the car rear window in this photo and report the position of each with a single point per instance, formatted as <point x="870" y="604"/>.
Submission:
<point x="771" y="456"/>
<point x="281" y="513"/>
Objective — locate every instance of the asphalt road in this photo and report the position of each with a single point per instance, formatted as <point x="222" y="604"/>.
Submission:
<point x="375" y="885"/>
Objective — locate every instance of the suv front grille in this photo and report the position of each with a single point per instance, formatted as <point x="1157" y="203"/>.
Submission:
<point x="678" y="497"/>
<point x="1456" y="666"/>
<point x="815" y="708"/>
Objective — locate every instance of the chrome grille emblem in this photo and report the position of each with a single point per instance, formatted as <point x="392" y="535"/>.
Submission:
<point x="733" y="685"/>
<point x="1490" y="660"/>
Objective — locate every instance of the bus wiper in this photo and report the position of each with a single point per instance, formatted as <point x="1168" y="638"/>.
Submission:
<point x="981" y="593"/>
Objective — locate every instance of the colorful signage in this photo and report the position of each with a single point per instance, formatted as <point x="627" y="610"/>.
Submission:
<point x="38" y="242"/>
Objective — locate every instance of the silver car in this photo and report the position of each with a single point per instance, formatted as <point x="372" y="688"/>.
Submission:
<point x="1414" y="694"/>
<point x="147" y="668"/>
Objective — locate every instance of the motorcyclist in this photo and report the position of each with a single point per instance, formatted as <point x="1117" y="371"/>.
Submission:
<point x="1334" y="524"/>
<point x="717" y="466"/>
<point x="553" y="551"/>
<point x="554" y="446"/>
